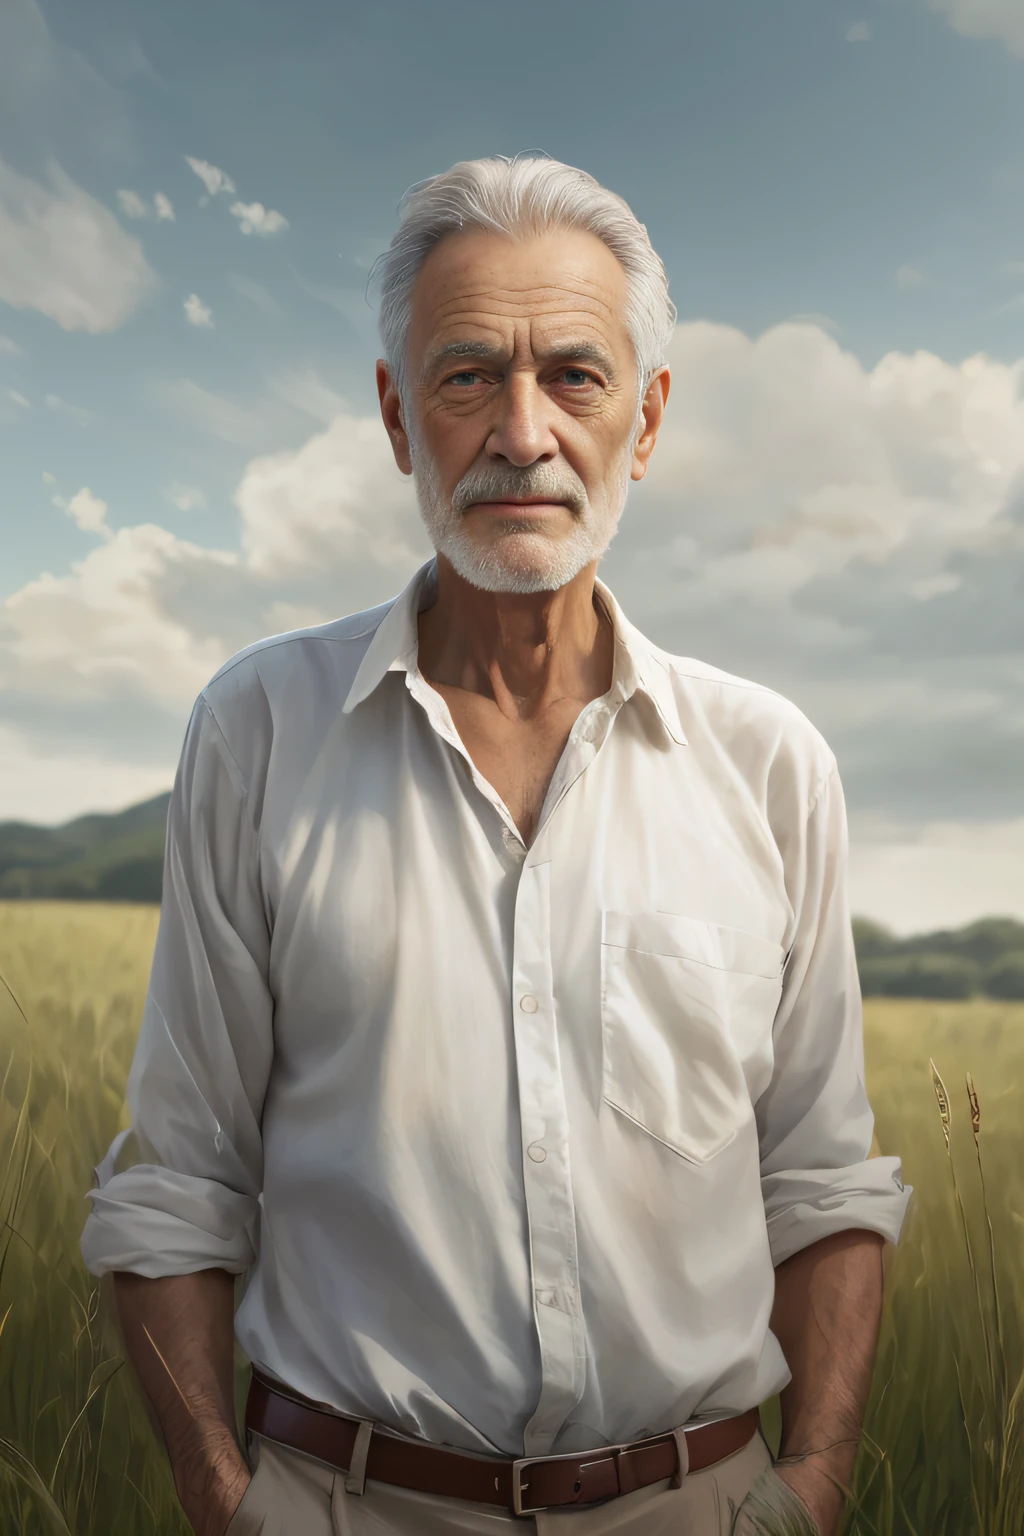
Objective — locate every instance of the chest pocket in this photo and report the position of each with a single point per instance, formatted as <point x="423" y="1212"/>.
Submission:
<point x="677" y="996"/>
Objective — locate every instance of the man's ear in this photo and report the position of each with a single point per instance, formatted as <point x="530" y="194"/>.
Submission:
<point x="655" y="400"/>
<point x="393" y="418"/>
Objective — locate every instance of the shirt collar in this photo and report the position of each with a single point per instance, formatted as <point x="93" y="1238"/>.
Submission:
<point x="396" y="641"/>
<point x="638" y="666"/>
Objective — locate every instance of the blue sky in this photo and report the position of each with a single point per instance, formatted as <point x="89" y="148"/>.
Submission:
<point x="190" y="201"/>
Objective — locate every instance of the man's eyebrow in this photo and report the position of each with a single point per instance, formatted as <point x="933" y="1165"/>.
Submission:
<point x="484" y="352"/>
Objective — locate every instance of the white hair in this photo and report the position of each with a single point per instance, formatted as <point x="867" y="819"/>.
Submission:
<point x="522" y="196"/>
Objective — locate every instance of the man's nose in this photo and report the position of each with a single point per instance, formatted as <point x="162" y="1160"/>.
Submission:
<point x="522" y="431"/>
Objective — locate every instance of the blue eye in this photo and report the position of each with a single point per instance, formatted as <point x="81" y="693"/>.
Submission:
<point x="577" y="377"/>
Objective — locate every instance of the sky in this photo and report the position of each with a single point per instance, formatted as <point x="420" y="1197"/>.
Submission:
<point x="191" y="451"/>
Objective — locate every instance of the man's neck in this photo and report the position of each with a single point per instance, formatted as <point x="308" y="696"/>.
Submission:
<point x="525" y="651"/>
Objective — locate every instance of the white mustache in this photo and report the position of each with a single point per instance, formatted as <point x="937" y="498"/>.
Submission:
<point x="503" y="488"/>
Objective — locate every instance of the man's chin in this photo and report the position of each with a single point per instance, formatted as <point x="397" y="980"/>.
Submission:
<point x="499" y="578"/>
<point x="497" y="570"/>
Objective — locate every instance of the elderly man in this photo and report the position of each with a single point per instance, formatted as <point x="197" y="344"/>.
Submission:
<point x="504" y="1027"/>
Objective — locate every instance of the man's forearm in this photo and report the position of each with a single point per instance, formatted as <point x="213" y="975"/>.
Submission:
<point x="827" y="1312"/>
<point x="179" y="1336"/>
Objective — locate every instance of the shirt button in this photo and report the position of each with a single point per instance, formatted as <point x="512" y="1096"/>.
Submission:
<point x="536" y="1152"/>
<point x="528" y="1003"/>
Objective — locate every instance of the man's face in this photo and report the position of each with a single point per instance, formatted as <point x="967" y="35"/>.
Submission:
<point x="520" y="415"/>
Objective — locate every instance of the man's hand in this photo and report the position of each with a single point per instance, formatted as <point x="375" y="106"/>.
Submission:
<point x="815" y="1493"/>
<point x="210" y="1491"/>
<point x="779" y="1504"/>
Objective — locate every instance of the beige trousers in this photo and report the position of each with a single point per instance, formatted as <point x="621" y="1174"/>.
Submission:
<point x="292" y="1494"/>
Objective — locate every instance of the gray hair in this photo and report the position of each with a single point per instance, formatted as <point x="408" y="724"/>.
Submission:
<point x="524" y="195"/>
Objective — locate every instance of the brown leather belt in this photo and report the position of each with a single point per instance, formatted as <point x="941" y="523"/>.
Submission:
<point x="523" y="1486"/>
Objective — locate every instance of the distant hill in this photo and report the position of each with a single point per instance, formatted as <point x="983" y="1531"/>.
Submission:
<point x="120" y="858"/>
<point x="115" y="857"/>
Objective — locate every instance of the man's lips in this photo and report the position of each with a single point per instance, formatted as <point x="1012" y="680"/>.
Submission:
<point x="527" y="505"/>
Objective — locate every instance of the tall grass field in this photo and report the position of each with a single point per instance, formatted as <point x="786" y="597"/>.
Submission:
<point x="943" y="1448"/>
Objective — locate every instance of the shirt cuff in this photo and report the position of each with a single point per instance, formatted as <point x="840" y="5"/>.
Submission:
<point x="802" y="1205"/>
<point x="156" y="1223"/>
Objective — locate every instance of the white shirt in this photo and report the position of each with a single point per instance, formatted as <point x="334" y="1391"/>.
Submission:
<point x="507" y="1139"/>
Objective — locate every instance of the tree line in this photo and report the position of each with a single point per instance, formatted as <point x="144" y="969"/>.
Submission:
<point x="984" y="959"/>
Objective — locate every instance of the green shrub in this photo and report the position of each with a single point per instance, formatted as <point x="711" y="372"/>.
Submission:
<point x="984" y="941"/>
<point x="920" y="975"/>
<point x="1006" y="977"/>
<point x="138" y="879"/>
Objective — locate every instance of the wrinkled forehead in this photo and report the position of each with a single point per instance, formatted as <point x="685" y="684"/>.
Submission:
<point x="525" y="297"/>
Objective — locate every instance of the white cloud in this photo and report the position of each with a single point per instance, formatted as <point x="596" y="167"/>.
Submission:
<point x="135" y="207"/>
<point x="860" y="32"/>
<point x="104" y="632"/>
<point x="212" y="178"/>
<point x="132" y="205"/>
<point x="62" y="253"/>
<point x="48" y="479"/>
<point x="185" y="497"/>
<point x="197" y="312"/>
<point x="792" y="459"/>
<point x="254" y="219"/>
<point x="794" y="502"/>
<point x="908" y="278"/>
<point x="19" y="399"/>
<point x="1002" y="20"/>
<point x="148" y="615"/>
<point x="946" y="875"/>
<point x="89" y="512"/>
<point x="9" y="348"/>
<point x="337" y="504"/>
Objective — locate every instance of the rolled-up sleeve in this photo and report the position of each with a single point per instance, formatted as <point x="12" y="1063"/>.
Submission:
<point x="814" y="1120"/>
<point x="199" y="1075"/>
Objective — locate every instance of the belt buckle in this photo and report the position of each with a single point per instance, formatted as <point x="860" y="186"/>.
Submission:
<point x="612" y="1455"/>
<point x="517" y="1487"/>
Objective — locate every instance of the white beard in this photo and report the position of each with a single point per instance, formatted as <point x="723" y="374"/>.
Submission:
<point x="522" y="558"/>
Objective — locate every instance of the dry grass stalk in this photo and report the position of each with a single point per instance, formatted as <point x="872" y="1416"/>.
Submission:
<point x="976" y="1128"/>
<point x="999" y="1428"/>
<point x="975" y="1108"/>
<point x="946" y="1116"/>
<point x="943" y="1099"/>
<point x="1006" y="1410"/>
